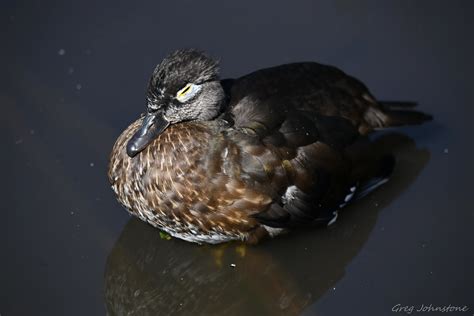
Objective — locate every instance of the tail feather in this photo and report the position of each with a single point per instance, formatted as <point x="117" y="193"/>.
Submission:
<point x="394" y="113"/>
<point x="400" y="113"/>
<point x="406" y="117"/>
<point x="398" y="104"/>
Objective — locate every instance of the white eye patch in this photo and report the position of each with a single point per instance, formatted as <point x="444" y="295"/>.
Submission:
<point x="189" y="91"/>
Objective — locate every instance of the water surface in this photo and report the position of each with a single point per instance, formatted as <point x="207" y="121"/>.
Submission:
<point x="74" y="75"/>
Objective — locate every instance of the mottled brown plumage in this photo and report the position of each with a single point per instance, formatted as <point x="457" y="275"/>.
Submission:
<point x="273" y="156"/>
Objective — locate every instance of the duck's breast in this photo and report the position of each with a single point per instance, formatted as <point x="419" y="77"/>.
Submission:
<point x="190" y="179"/>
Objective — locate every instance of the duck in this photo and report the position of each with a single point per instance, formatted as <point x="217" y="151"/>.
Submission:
<point x="246" y="159"/>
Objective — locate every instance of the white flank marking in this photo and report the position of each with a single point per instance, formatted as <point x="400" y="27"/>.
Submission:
<point x="333" y="220"/>
<point x="290" y="194"/>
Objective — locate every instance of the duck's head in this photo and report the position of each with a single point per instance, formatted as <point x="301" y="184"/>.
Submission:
<point x="185" y="86"/>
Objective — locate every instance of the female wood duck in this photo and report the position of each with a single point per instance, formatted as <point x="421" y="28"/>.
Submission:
<point x="240" y="159"/>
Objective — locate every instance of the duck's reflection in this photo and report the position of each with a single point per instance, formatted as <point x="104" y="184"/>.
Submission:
<point x="146" y="275"/>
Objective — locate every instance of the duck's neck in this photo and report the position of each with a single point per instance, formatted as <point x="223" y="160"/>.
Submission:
<point x="224" y="112"/>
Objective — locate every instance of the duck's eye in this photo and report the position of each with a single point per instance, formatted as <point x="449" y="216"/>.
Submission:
<point x="187" y="92"/>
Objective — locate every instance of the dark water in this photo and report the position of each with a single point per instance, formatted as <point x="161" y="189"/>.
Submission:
<point x="74" y="75"/>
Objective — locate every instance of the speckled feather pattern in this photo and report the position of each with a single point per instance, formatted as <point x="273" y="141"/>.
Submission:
<point x="174" y="186"/>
